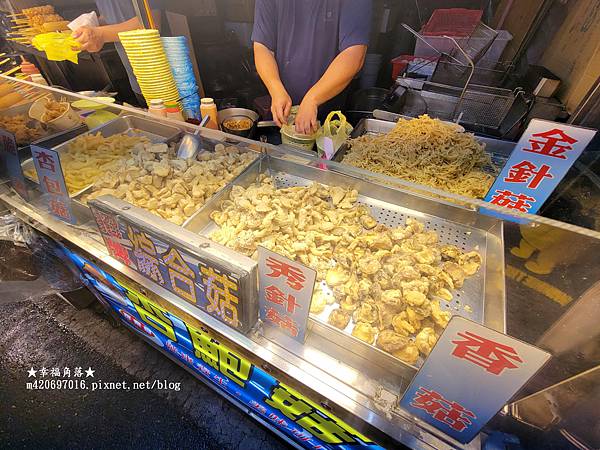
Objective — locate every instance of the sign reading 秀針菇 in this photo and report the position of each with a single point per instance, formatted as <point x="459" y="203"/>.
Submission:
<point x="540" y="159"/>
<point x="52" y="182"/>
<point x="179" y="270"/>
<point x="469" y="376"/>
<point x="285" y="293"/>
<point x="9" y="157"/>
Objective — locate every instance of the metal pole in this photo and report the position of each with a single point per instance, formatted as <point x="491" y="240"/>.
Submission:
<point x="143" y="13"/>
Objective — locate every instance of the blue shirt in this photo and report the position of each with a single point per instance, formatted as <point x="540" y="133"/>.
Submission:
<point x="307" y="35"/>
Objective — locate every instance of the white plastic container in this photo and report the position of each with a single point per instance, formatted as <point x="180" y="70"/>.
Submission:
<point x="157" y="107"/>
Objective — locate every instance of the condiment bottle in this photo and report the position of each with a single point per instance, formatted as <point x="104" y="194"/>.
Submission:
<point x="208" y="107"/>
<point x="173" y="111"/>
<point x="157" y="107"/>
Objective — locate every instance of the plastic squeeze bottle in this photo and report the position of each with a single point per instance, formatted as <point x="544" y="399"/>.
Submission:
<point x="208" y="107"/>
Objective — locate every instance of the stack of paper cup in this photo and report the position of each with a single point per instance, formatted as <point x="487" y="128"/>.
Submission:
<point x="150" y="64"/>
<point x="178" y="54"/>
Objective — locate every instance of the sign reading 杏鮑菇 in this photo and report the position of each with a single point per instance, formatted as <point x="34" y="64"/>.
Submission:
<point x="52" y="182"/>
<point x="468" y="377"/>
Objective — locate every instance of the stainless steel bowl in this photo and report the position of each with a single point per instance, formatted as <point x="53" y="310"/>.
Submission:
<point x="238" y="113"/>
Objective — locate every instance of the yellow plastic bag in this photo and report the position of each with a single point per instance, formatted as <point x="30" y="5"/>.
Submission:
<point x="335" y="130"/>
<point x="58" y="46"/>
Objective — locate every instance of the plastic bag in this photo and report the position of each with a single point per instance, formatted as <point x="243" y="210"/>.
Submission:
<point x="58" y="46"/>
<point x="338" y="130"/>
<point x="32" y="266"/>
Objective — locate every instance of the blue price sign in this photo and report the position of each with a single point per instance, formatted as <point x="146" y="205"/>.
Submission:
<point x="468" y="377"/>
<point x="52" y="182"/>
<point x="541" y="158"/>
<point x="10" y="160"/>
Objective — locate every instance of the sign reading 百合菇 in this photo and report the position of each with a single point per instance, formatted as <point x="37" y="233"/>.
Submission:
<point x="52" y="182"/>
<point x="277" y="404"/>
<point x="285" y="293"/>
<point x="179" y="269"/>
<point x="540" y="159"/>
<point x="469" y="376"/>
<point x="9" y="159"/>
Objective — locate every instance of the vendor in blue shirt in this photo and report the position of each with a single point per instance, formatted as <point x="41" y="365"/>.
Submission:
<point x="308" y="51"/>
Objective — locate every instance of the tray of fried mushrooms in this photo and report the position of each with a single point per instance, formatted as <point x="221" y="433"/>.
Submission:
<point x="389" y="278"/>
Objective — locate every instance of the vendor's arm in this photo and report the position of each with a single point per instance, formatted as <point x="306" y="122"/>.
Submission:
<point x="338" y="75"/>
<point x="354" y="31"/>
<point x="264" y="36"/>
<point x="266" y="65"/>
<point x="93" y="39"/>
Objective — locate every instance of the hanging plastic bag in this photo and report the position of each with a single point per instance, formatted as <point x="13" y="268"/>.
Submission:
<point x="337" y="130"/>
<point x="58" y="46"/>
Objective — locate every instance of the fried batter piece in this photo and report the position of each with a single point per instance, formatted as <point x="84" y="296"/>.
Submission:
<point x="390" y="341"/>
<point x="425" y="340"/>
<point x="154" y="179"/>
<point x="386" y="281"/>
<point x="365" y="332"/>
<point x="339" y="318"/>
<point x="408" y="354"/>
<point x="366" y="312"/>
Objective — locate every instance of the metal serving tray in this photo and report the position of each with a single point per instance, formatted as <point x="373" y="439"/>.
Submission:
<point x="208" y="146"/>
<point x="482" y="296"/>
<point x="49" y="137"/>
<point x="498" y="150"/>
<point x="130" y="125"/>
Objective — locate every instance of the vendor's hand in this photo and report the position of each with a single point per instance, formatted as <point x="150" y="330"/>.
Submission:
<point x="306" y="119"/>
<point x="90" y="38"/>
<point x="281" y="104"/>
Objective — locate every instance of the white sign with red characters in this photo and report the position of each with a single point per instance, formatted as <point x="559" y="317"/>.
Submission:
<point x="541" y="158"/>
<point x="469" y="376"/>
<point x="285" y="293"/>
<point x="52" y="182"/>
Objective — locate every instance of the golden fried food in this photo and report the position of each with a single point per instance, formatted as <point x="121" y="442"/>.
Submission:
<point x="366" y="312"/>
<point x="425" y="340"/>
<point x="237" y="124"/>
<point x="402" y="325"/>
<point x="339" y="318"/>
<point x="25" y="130"/>
<point x="318" y="302"/>
<point x="53" y="110"/>
<point x="365" y="332"/>
<point x="408" y="354"/>
<point x="90" y="156"/>
<point x="440" y="317"/>
<point x="391" y="341"/>
<point x="37" y="10"/>
<point x="154" y="179"/>
<point x="426" y="151"/>
<point x="387" y="279"/>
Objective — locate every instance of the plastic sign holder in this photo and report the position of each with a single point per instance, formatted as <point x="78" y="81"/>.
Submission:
<point x="468" y="377"/>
